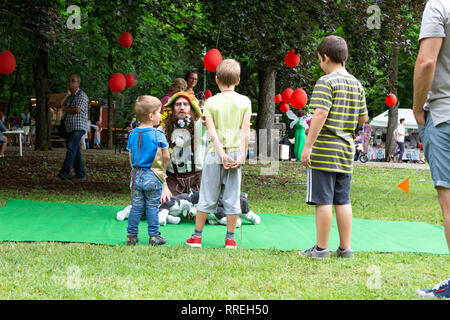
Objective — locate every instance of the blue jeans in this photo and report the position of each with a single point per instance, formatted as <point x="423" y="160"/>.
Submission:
<point x="145" y="195"/>
<point x="73" y="155"/>
<point x="401" y="150"/>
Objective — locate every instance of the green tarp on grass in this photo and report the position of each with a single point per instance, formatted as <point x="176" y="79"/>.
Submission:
<point x="22" y="220"/>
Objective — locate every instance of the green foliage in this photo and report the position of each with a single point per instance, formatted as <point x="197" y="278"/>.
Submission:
<point x="157" y="56"/>
<point x="170" y="37"/>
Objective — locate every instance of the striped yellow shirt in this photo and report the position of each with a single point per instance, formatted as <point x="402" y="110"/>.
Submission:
<point x="342" y="95"/>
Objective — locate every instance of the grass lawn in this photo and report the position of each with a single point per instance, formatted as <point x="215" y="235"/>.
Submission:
<point x="84" y="271"/>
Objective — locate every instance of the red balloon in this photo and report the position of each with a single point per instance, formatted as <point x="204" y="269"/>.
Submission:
<point x="126" y="39"/>
<point x="299" y="98"/>
<point x="291" y="59"/>
<point x="208" y="94"/>
<point x="278" y="98"/>
<point x="129" y="80"/>
<point x="117" y="82"/>
<point x="212" y="59"/>
<point x="391" y="100"/>
<point x="286" y="95"/>
<point x="7" y="62"/>
<point x="284" y="107"/>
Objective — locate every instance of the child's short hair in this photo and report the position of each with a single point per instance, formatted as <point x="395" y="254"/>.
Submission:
<point x="178" y="82"/>
<point x="228" y="72"/>
<point x="335" y="48"/>
<point x="145" y="105"/>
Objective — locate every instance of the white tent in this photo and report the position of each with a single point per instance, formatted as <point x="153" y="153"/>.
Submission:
<point x="407" y="114"/>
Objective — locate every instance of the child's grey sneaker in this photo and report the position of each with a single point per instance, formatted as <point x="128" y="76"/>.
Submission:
<point x="314" y="253"/>
<point x="347" y="253"/>
<point x="156" y="240"/>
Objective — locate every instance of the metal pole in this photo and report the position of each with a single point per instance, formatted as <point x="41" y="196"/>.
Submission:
<point x="204" y="72"/>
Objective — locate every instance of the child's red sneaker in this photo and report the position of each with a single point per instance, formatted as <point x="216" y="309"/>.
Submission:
<point x="194" y="242"/>
<point x="230" y="244"/>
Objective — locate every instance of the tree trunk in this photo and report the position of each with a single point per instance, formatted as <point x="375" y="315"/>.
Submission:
<point x="110" y="119"/>
<point x="43" y="142"/>
<point x="266" y="107"/>
<point x="391" y="145"/>
<point x="11" y="94"/>
<point x="110" y="107"/>
<point x="2" y="84"/>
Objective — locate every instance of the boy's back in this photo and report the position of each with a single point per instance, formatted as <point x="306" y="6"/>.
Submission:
<point x="227" y="117"/>
<point x="227" y="110"/>
<point x="143" y="144"/>
<point x="342" y="95"/>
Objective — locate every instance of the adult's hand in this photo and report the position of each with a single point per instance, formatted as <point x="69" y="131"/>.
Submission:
<point x="166" y="195"/>
<point x="62" y="103"/>
<point x="419" y="114"/>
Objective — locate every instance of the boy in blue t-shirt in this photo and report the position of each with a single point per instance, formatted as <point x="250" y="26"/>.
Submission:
<point x="149" y="156"/>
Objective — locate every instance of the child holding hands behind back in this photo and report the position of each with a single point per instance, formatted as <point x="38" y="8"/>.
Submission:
<point x="227" y="117"/>
<point x="149" y="156"/>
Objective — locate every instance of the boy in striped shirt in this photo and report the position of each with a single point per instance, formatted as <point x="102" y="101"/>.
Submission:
<point x="339" y="106"/>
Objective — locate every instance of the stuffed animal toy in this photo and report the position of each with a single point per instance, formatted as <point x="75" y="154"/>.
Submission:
<point x="178" y="206"/>
<point x="184" y="205"/>
<point x="219" y="216"/>
<point x="169" y="211"/>
<point x="181" y="140"/>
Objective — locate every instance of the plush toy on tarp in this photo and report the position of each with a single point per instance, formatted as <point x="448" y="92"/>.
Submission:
<point x="300" y="132"/>
<point x="184" y="206"/>
<point x="170" y="211"/>
<point x="219" y="216"/>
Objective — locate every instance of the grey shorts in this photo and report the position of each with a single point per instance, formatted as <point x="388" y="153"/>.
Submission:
<point x="323" y="187"/>
<point x="436" y="148"/>
<point x="218" y="182"/>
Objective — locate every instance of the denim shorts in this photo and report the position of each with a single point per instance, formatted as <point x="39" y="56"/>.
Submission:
<point x="217" y="181"/>
<point x="325" y="187"/>
<point x="436" y="148"/>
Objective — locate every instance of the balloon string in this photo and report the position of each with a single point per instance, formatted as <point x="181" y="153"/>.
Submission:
<point x="218" y="36"/>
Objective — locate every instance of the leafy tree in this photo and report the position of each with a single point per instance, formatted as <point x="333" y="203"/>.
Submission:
<point x="37" y="24"/>
<point x="376" y="53"/>
<point x="258" y="34"/>
<point x="155" y="57"/>
<point x="170" y="36"/>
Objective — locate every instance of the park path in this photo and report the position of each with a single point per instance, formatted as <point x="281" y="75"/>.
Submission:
<point x="403" y="165"/>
